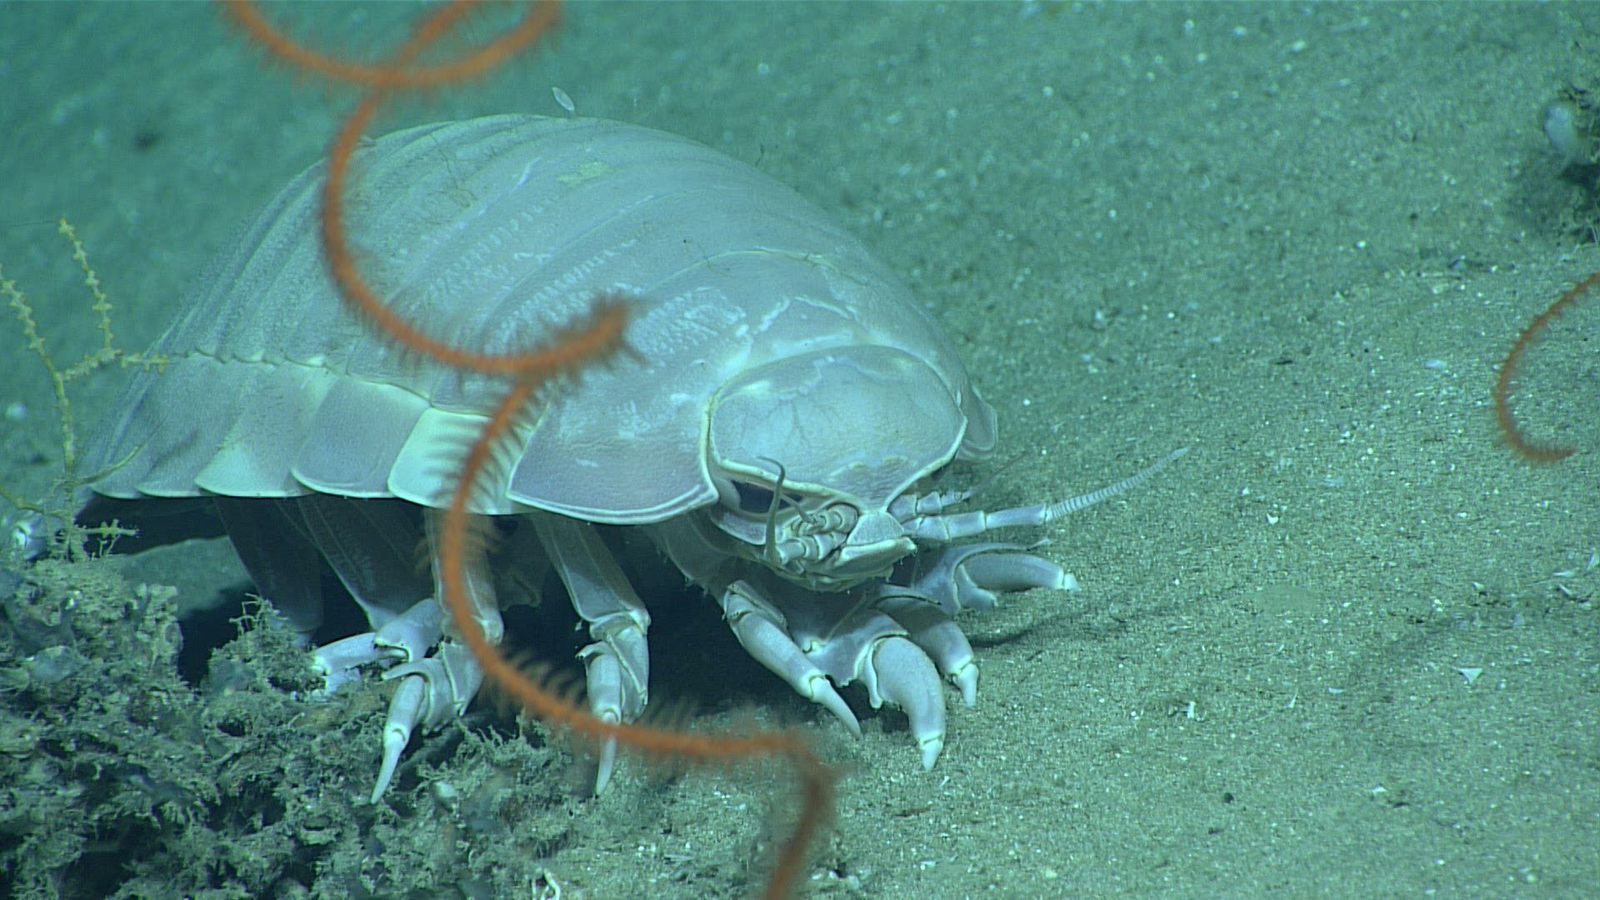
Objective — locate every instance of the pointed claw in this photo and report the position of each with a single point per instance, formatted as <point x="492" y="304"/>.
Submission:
<point x="902" y="674"/>
<point x="405" y="709"/>
<point x="771" y="646"/>
<point x="608" y="762"/>
<point x="929" y="628"/>
<point x="966" y="678"/>
<point x="616" y="693"/>
<point x="431" y="691"/>
<point x="972" y="576"/>
<point x="617" y="664"/>
<point x="822" y="692"/>
<point x="1011" y="572"/>
<point x="603" y="674"/>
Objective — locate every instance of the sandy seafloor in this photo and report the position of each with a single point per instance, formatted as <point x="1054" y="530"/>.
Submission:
<point x="1297" y="238"/>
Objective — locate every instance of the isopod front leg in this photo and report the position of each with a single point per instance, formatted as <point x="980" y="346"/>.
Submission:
<point x="945" y="581"/>
<point x="436" y="689"/>
<point x="762" y="631"/>
<point x="432" y="692"/>
<point x="814" y="641"/>
<point x="972" y="576"/>
<point x="617" y="664"/>
<point x="370" y="545"/>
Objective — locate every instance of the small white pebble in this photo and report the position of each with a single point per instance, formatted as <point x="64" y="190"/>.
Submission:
<point x="564" y="101"/>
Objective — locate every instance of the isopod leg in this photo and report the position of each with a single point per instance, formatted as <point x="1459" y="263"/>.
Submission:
<point x="617" y="664"/>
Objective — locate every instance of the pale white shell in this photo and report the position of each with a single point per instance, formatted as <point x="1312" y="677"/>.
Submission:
<point x="492" y="232"/>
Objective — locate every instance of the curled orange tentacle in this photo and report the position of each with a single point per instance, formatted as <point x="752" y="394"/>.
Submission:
<point x="395" y="74"/>
<point x="1513" y="433"/>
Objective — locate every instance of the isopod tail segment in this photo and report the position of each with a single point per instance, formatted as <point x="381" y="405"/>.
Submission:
<point x="1514" y="435"/>
<point x="597" y="337"/>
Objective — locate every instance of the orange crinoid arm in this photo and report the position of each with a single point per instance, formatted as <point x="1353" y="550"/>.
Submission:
<point x="597" y="337"/>
<point x="1507" y="420"/>
<point x="396" y="73"/>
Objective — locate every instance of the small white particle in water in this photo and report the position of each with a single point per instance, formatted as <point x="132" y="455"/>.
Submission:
<point x="564" y="101"/>
<point x="16" y="411"/>
<point x="1437" y="365"/>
